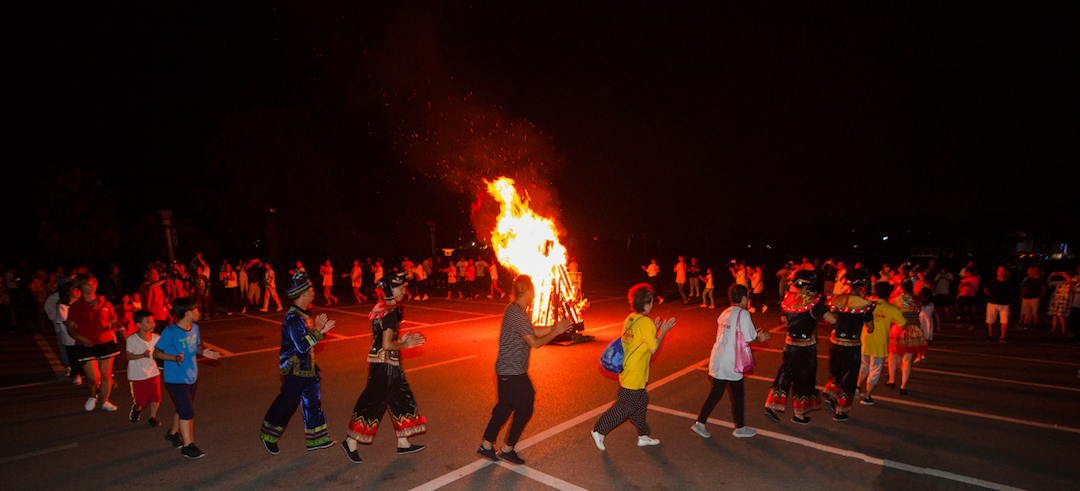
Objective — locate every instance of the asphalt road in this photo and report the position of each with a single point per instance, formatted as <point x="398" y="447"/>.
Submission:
<point x="979" y="415"/>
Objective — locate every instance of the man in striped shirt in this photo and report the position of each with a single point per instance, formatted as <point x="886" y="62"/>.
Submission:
<point x="516" y="394"/>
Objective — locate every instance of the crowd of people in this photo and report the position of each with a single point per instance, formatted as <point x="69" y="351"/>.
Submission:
<point x="884" y="316"/>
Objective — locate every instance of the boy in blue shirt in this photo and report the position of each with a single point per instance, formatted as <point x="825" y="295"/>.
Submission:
<point x="180" y="343"/>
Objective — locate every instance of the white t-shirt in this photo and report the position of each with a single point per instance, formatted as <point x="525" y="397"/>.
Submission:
<point x="943" y="282"/>
<point x="59" y="320"/>
<point x="926" y="321"/>
<point x="680" y="272"/>
<point x="142" y="368"/>
<point x="722" y="361"/>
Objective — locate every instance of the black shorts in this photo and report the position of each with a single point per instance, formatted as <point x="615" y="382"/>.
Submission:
<point x="183" y="395"/>
<point x="98" y="351"/>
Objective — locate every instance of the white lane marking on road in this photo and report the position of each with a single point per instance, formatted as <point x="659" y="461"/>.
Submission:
<point x="454" y="475"/>
<point x="541" y="477"/>
<point x="54" y="361"/>
<point x="339" y="337"/>
<point x="223" y="352"/>
<point x="344" y="311"/>
<point x="433" y="365"/>
<point x="995" y="379"/>
<point x="544" y="435"/>
<point x="35" y="384"/>
<point x="908" y="402"/>
<point x="957" y="374"/>
<point x="850" y="453"/>
<point x="414" y="306"/>
<point x="37" y="453"/>
<point x="988" y="355"/>
<point x="264" y="319"/>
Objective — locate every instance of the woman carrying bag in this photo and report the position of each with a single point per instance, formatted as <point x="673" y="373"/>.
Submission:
<point x="730" y="359"/>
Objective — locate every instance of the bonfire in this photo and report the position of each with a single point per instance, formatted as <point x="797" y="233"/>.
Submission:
<point x="529" y="244"/>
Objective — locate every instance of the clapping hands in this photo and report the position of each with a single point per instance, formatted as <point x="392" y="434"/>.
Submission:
<point x="323" y="324"/>
<point x="413" y="339"/>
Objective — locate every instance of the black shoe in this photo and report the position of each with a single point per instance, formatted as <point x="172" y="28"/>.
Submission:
<point x="512" y="457"/>
<point x="840" y="417"/>
<point x="133" y="415"/>
<point x="890" y="385"/>
<point x="153" y="422"/>
<point x="831" y="403"/>
<point x="410" y="449"/>
<point x="903" y="392"/>
<point x="192" y="452"/>
<point x="867" y="401"/>
<point x="487" y="453"/>
<point x="771" y="416"/>
<point x="174" y="439"/>
<point x="271" y="447"/>
<point x="328" y="444"/>
<point x="801" y="421"/>
<point x="354" y="455"/>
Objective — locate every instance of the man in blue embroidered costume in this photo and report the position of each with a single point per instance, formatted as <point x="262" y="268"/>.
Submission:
<point x="802" y="308"/>
<point x="300" y="375"/>
<point x="853" y="311"/>
<point x="386" y="385"/>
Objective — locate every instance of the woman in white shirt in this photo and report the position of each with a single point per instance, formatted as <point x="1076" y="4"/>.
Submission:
<point x="722" y="372"/>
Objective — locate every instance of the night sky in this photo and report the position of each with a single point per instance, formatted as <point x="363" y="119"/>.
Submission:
<point x="706" y="127"/>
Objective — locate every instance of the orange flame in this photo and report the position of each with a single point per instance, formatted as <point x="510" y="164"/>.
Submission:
<point x="529" y="244"/>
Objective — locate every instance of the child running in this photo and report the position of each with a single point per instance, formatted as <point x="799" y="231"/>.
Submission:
<point x="142" y="372"/>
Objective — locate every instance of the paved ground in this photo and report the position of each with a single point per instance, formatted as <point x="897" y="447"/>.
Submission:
<point x="979" y="415"/>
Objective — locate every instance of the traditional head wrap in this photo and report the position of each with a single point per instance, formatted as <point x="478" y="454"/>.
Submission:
<point x="803" y="278"/>
<point x="389" y="281"/>
<point x="857" y="277"/>
<point x="300" y="284"/>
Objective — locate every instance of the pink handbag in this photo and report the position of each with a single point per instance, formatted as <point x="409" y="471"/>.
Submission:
<point x="744" y="356"/>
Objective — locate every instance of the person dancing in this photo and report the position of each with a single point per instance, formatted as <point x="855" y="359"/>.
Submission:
<point x="327" y="272"/>
<point x="802" y="307"/>
<point x="300" y="375"/>
<point x="853" y="311"/>
<point x="905" y="341"/>
<point x="386" y="385"/>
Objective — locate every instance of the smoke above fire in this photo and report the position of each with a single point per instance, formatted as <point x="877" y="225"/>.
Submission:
<point x="462" y="143"/>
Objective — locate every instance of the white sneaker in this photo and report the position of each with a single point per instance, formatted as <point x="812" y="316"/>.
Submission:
<point x="700" y="430"/>
<point x="644" y="441"/>
<point x="599" y="440"/>
<point x="77" y="380"/>
<point x="764" y="308"/>
<point x="108" y="406"/>
<point x="90" y="403"/>
<point x="744" y="432"/>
